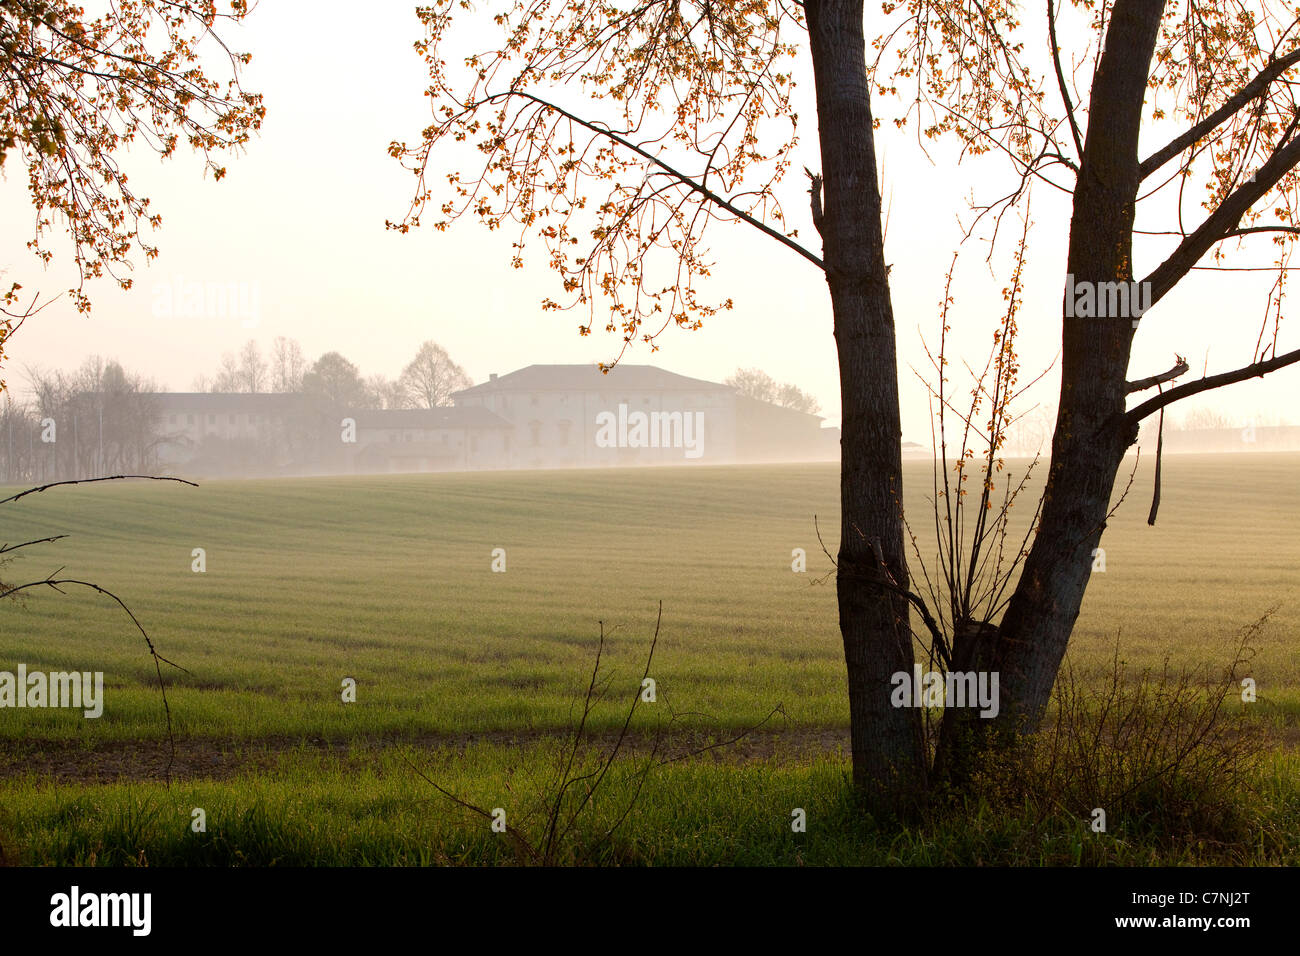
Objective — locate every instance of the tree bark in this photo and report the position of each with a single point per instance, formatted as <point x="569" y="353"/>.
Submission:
<point x="1091" y="433"/>
<point x="887" y="742"/>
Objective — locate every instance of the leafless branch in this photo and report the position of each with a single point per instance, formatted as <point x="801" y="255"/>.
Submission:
<point x="1186" y="390"/>
<point x="1060" y="78"/>
<point x="1180" y="368"/>
<point x="86" y="481"/>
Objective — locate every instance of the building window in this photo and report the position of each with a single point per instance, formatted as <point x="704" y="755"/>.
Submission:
<point x="232" y="419"/>
<point x="189" y="419"/>
<point x="535" y="428"/>
<point x="533" y="400"/>
<point x="473" y="443"/>
<point x="212" y="419"/>
<point x="171" y="420"/>
<point x="564" y="432"/>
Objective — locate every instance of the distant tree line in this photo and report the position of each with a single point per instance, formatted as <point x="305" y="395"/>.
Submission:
<point x="427" y="381"/>
<point x="101" y="419"/>
<point x="757" y="384"/>
<point x="97" y="420"/>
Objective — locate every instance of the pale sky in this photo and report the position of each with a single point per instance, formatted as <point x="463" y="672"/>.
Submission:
<point x="297" y="226"/>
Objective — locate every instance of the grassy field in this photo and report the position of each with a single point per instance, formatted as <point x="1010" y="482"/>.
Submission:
<point x="389" y="581"/>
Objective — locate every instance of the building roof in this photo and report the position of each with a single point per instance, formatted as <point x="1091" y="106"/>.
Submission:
<point x="567" y="378"/>
<point x="468" y="416"/>
<point x="228" y="401"/>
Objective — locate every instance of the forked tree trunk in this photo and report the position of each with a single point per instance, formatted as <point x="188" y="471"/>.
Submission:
<point x="888" y="752"/>
<point x="1091" y="435"/>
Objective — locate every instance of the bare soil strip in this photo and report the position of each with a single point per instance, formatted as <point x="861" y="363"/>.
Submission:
<point x="210" y="759"/>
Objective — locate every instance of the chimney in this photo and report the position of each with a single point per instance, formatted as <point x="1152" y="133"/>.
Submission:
<point x="492" y="376"/>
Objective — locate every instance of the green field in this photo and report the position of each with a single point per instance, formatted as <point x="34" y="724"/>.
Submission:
<point x="389" y="581"/>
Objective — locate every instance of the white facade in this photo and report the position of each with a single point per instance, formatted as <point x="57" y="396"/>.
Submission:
<point x="542" y="416"/>
<point x="562" y="416"/>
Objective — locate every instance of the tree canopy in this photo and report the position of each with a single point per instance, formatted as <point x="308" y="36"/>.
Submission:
<point x="614" y="137"/>
<point x="77" y="90"/>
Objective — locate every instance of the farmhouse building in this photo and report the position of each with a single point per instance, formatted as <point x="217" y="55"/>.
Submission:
<point x="435" y="439"/>
<point x="542" y="416"/>
<point x="566" y="416"/>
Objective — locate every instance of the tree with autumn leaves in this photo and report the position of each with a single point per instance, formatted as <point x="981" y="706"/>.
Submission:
<point x="614" y="136"/>
<point x="77" y="90"/>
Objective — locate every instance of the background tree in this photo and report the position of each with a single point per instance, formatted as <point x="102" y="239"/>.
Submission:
<point x="227" y="379"/>
<point x="386" y="392"/>
<point x="104" y="419"/>
<point x="244" y="372"/>
<point x="430" y="378"/>
<point x="18" y="423"/>
<point x="757" y="384"/>
<point x="76" y="89"/>
<point x="334" y="379"/>
<point x="287" y="365"/>
<point x="252" y="369"/>
<point x="791" y="396"/>
<point x="1203" y="418"/>
<point x="753" y="383"/>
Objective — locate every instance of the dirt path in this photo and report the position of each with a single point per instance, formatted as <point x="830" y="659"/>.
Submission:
<point x="208" y="759"/>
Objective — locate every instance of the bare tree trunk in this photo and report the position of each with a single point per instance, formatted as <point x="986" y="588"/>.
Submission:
<point x="888" y="751"/>
<point x="1091" y="435"/>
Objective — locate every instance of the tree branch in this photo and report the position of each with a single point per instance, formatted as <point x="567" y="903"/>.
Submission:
<point x="1243" y="96"/>
<point x="815" y="191"/>
<point x="1060" y="79"/>
<point x="1251" y="230"/>
<point x="1223" y="220"/>
<point x="1254" y="370"/>
<point x="86" y="481"/>
<point x="681" y="177"/>
<point x="1180" y="367"/>
<point x="26" y="544"/>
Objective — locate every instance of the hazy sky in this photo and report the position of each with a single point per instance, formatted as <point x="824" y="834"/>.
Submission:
<point x="298" y="226"/>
